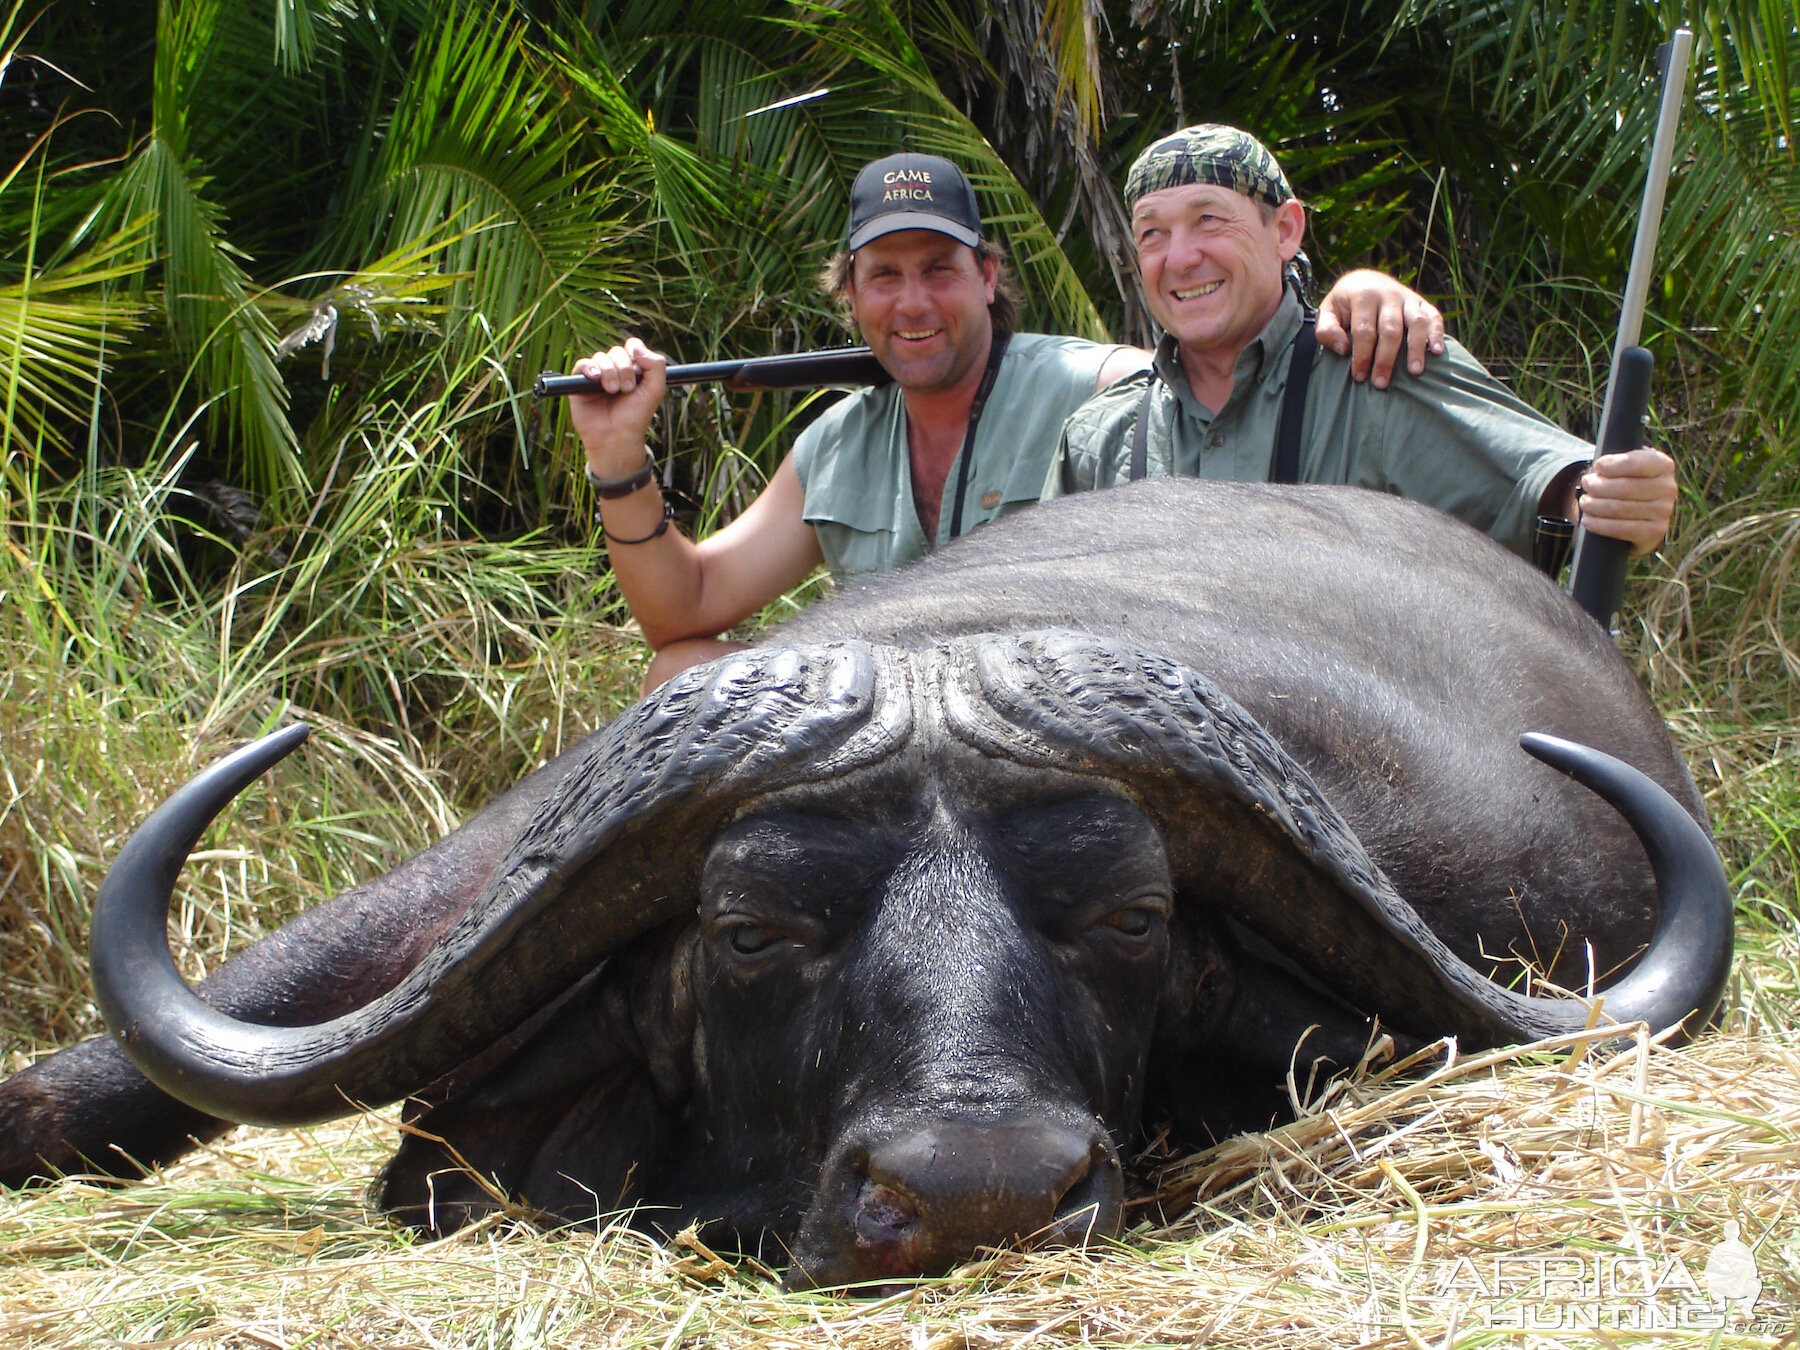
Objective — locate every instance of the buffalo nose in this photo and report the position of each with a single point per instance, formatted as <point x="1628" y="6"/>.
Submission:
<point x="929" y="1199"/>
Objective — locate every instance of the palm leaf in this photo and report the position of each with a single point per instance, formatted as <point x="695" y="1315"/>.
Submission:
<point x="208" y="298"/>
<point x="209" y="303"/>
<point x="727" y="166"/>
<point x="56" y="326"/>
<point x="1575" y="135"/>
<point x="481" y="148"/>
<point x="1070" y="33"/>
<point x="869" y="37"/>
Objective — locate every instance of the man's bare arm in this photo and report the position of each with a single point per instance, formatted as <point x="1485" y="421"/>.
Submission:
<point x="676" y="588"/>
<point x="1122" y="362"/>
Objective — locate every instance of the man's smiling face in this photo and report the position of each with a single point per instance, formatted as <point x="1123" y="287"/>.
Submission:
<point x="1211" y="260"/>
<point x="921" y="300"/>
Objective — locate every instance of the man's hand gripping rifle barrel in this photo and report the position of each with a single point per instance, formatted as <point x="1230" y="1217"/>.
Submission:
<point x="847" y="367"/>
<point x="1597" y="578"/>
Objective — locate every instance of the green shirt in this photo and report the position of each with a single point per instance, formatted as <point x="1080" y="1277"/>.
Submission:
<point x="856" y="471"/>
<point x="1454" y="437"/>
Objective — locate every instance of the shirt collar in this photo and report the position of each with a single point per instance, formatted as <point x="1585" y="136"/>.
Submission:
<point x="1275" y="337"/>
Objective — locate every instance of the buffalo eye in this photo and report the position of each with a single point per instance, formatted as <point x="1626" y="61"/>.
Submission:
<point x="1133" y="922"/>
<point x="1138" y="918"/>
<point x="749" y="939"/>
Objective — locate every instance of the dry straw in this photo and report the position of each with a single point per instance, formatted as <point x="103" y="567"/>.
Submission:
<point x="1376" y="1219"/>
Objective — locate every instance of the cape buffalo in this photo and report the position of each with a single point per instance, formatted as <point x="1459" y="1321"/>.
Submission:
<point x="880" y="941"/>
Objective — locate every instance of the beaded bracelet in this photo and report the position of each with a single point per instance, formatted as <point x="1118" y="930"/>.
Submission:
<point x="661" y="527"/>
<point x="611" y="489"/>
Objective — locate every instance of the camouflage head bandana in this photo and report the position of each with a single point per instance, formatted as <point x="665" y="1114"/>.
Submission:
<point x="1225" y="157"/>
<point x="1209" y="153"/>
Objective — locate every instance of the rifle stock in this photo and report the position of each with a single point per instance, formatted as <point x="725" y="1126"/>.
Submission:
<point x="1597" y="581"/>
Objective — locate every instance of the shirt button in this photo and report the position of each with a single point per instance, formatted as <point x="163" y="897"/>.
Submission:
<point x="1216" y="439"/>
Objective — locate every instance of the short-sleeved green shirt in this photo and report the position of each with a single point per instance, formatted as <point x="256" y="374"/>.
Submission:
<point x="1454" y="437"/>
<point x="856" y="471"/>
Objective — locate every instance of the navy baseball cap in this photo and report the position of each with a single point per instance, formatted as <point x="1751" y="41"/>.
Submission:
<point x="912" y="192"/>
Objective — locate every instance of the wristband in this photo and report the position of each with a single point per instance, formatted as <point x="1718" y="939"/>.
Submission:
<point x="661" y="527"/>
<point x="611" y="489"/>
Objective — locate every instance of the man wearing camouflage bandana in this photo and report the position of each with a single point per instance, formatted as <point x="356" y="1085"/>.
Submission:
<point x="1224" y="157"/>
<point x="1218" y="231"/>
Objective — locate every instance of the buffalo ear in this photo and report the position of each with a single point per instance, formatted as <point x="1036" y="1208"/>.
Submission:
<point x="1234" y="1023"/>
<point x="568" y="1116"/>
<point x="588" y="1149"/>
<point x="635" y="1008"/>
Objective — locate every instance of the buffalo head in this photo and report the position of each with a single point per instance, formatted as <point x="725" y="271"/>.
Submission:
<point x="878" y="947"/>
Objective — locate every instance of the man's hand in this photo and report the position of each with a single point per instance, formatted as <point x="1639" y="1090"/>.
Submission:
<point x="612" y="424"/>
<point x="1368" y="316"/>
<point x="1630" y="496"/>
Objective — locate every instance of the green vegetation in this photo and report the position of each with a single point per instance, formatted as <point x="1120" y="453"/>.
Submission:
<point x="273" y="275"/>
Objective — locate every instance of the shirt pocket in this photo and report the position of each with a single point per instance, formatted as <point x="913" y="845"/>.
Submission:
<point x="1021" y="482"/>
<point x="852" y="553"/>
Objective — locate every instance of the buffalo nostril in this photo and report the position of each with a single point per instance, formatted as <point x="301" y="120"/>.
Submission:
<point x="1091" y="1207"/>
<point x="882" y="1216"/>
<point x="917" y="1202"/>
<point x="944" y="1191"/>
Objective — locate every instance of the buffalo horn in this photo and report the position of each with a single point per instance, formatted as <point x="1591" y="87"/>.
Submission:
<point x="1235" y="805"/>
<point x="1682" y="973"/>
<point x="612" y="852"/>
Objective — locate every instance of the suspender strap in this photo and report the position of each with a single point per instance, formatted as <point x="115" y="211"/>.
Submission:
<point x="1140" y="432"/>
<point x="1285" y="468"/>
<point x="996" y="353"/>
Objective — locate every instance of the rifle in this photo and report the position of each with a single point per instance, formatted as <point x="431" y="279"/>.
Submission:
<point x="800" y="370"/>
<point x="1597" y="578"/>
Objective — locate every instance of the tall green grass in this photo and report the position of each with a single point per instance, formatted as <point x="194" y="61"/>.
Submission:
<point x="141" y="636"/>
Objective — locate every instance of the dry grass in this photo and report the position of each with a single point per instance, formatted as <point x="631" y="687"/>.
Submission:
<point x="1376" y="1219"/>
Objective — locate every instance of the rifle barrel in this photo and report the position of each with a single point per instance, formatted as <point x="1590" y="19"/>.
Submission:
<point x="1597" y="571"/>
<point x="1656" y="185"/>
<point x="846" y="366"/>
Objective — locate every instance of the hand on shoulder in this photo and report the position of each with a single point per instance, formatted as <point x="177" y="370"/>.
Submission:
<point x="1371" y="318"/>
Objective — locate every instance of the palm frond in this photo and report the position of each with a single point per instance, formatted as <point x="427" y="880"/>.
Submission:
<point x="481" y="149"/>
<point x="869" y="37"/>
<point x="1569" y="148"/>
<point x="725" y="160"/>
<point x="210" y="304"/>
<point x="403" y="292"/>
<point x="297" y="31"/>
<point x="1070" y="32"/>
<point x="56" y="326"/>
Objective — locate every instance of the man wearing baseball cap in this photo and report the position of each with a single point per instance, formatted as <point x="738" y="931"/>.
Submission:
<point x="1238" y="390"/>
<point x="962" y="435"/>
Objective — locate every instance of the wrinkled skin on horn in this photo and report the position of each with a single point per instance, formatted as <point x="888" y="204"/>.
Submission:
<point x="880" y="947"/>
